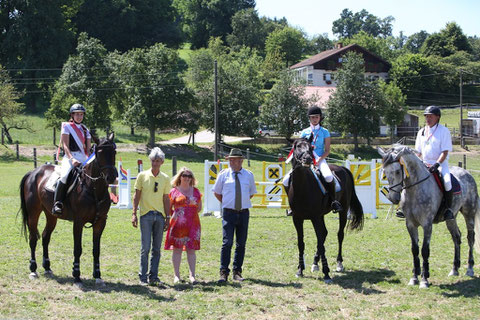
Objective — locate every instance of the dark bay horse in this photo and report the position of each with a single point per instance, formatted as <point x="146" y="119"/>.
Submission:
<point x="308" y="202"/>
<point x="412" y="185"/>
<point x="89" y="202"/>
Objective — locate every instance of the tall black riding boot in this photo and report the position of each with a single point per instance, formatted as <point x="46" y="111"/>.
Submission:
<point x="448" y="213"/>
<point x="58" y="198"/>
<point x="289" y="211"/>
<point x="336" y="206"/>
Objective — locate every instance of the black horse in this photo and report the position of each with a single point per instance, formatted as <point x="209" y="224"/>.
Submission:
<point x="89" y="202"/>
<point x="308" y="202"/>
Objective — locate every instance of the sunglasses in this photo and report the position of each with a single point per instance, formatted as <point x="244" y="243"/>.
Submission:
<point x="155" y="189"/>
<point x="187" y="175"/>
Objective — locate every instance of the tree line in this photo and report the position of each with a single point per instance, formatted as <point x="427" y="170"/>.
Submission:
<point x="121" y="59"/>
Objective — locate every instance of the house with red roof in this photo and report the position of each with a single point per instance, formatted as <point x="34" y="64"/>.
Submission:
<point x="318" y="71"/>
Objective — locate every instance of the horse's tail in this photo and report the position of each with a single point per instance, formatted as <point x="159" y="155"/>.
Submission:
<point x="23" y="207"/>
<point x="356" y="209"/>
<point x="477" y="227"/>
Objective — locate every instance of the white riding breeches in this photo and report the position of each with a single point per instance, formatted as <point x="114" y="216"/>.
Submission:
<point x="322" y="166"/>
<point x="447" y="178"/>
<point x="67" y="165"/>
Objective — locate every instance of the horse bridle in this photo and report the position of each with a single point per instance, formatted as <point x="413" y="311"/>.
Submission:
<point x="107" y="166"/>
<point x="401" y="183"/>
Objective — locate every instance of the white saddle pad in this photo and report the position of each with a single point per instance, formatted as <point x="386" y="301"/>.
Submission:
<point x="52" y="181"/>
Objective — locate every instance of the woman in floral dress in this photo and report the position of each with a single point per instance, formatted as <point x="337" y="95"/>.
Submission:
<point x="184" y="233"/>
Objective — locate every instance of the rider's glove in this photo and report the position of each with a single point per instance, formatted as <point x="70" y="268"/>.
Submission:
<point x="434" y="167"/>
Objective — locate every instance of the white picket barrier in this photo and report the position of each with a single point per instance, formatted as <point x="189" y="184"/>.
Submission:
<point x="367" y="176"/>
<point x="124" y="187"/>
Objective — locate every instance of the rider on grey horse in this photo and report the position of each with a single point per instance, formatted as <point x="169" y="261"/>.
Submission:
<point x="433" y="144"/>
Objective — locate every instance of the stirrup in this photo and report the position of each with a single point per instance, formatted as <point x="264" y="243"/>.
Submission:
<point x="400" y="214"/>
<point x="57" y="209"/>
<point x="448" y="214"/>
<point x="336" y="206"/>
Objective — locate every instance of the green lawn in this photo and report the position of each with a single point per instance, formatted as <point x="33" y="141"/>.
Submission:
<point x="377" y="261"/>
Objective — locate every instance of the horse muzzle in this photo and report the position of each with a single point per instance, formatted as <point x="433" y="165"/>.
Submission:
<point x="394" y="197"/>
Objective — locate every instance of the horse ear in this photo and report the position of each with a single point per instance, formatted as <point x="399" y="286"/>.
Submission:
<point x="94" y="138"/>
<point x="310" y="139"/>
<point x="111" y="136"/>
<point x="381" y="152"/>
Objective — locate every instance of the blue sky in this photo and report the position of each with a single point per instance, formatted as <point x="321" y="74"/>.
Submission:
<point x="317" y="16"/>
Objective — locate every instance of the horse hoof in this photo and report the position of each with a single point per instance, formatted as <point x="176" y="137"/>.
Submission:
<point x="328" y="281"/>
<point x="299" y="274"/>
<point x="315" y="268"/>
<point x="33" y="275"/>
<point x="453" y="273"/>
<point x="340" y="267"/>
<point x="413" y="282"/>
<point x="470" y="272"/>
<point x="48" y="273"/>
<point x="424" y="284"/>
<point x="99" y="283"/>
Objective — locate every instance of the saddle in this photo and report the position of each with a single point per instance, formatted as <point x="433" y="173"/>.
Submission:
<point x="456" y="189"/>
<point x="72" y="180"/>
<point x="321" y="180"/>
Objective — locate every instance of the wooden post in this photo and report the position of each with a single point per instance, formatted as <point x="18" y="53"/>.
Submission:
<point x="248" y="156"/>
<point x="174" y="165"/>
<point x="34" y="157"/>
<point x="54" y="136"/>
<point x="55" y="161"/>
<point x="464" y="161"/>
<point x="18" y="152"/>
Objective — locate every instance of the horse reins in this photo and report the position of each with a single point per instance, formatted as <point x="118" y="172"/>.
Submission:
<point x="403" y="180"/>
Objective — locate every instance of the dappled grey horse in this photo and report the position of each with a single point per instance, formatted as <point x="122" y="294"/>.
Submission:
<point x="412" y="185"/>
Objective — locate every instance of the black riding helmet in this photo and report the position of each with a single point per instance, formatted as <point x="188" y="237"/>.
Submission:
<point x="77" y="107"/>
<point x="432" y="110"/>
<point x="313" y="110"/>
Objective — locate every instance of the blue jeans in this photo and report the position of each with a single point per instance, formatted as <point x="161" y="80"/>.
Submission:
<point x="234" y="222"/>
<point x="151" y="229"/>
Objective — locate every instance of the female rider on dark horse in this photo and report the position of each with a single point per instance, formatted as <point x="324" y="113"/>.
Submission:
<point x="321" y="150"/>
<point x="76" y="142"/>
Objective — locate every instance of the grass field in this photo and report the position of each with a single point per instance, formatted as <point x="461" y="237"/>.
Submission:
<point x="377" y="261"/>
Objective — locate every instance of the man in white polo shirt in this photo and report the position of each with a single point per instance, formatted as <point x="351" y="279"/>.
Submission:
<point x="234" y="188"/>
<point x="433" y="143"/>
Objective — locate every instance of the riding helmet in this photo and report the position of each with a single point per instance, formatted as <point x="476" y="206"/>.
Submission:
<point x="77" y="107"/>
<point x="433" y="110"/>
<point x="313" y="110"/>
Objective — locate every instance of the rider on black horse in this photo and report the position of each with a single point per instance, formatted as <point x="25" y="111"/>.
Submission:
<point x="76" y="142"/>
<point x="321" y="149"/>
<point x="433" y="144"/>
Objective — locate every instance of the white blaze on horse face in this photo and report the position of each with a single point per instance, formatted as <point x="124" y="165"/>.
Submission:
<point x="394" y="174"/>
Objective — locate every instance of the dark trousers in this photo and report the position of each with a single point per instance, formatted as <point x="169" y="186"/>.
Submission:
<point x="234" y="222"/>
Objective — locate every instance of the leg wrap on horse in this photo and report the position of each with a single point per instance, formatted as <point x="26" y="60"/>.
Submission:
<point x="46" y="264"/>
<point x="33" y="265"/>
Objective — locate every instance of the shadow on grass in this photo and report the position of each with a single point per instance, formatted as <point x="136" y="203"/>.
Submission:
<point x="358" y="279"/>
<point x="137" y="289"/>
<point x="464" y="288"/>
<point x="211" y="286"/>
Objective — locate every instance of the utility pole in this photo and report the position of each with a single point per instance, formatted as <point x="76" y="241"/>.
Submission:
<point x="215" y="104"/>
<point x="461" y="112"/>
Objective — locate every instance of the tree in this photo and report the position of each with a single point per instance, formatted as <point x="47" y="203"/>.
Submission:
<point x="10" y="108"/>
<point x="247" y="30"/>
<point x="239" y="85"/>
<point x="289" y="41"/>
<point x="123" y="25"/>
<point x="203" y="19"/>
<point x="154" y="92"/>
<point x="350" y="24"/>
<point x="475" y="44"/>
<point x="319" y="43"/>
<point x="415" y="41"/>
<point x="85" y="79"/>
<point x="379" y="46"/>
<point x="285" y="106"/>
<point x="394" y="107"/>
<point x="448" y="41"/>
<point x="356" y="104"/>
<point x="35" y="40"/>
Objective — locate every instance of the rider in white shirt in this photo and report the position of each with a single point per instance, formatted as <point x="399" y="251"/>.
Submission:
<point x="76" y="142"/>
<point x="433" y="144"/>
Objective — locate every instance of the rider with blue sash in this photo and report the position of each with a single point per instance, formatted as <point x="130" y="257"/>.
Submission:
<point x="76" y="142"/>
<point x="321" y="150"/>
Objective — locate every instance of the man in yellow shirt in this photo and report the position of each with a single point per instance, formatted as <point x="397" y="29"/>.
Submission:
<point x="151" y="193"/>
